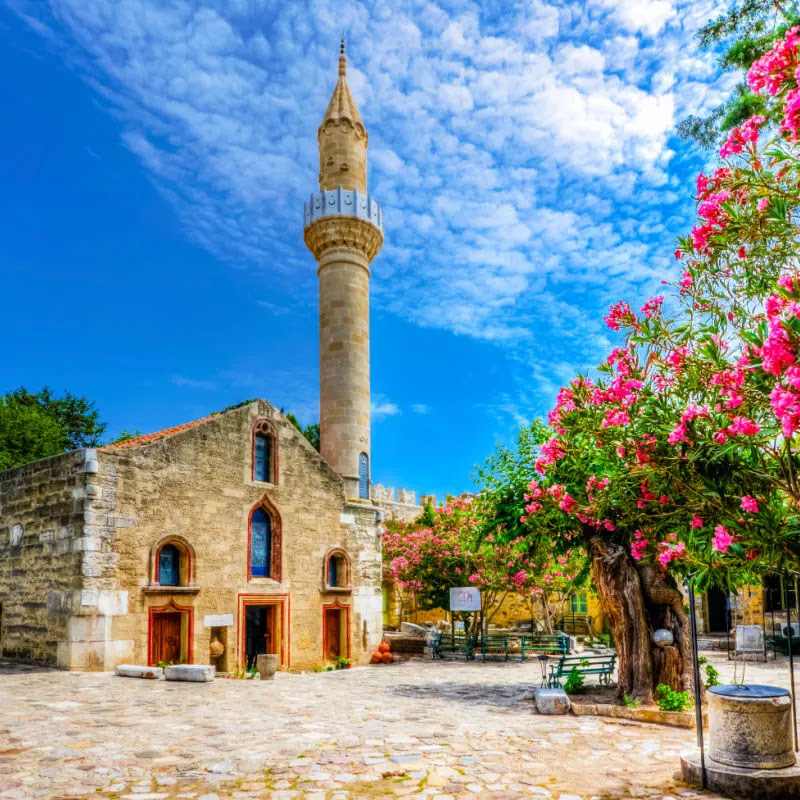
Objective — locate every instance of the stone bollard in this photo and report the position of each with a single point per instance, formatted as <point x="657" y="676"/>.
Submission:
<point x="266" y="664"/>
<point x="750" y="726"/>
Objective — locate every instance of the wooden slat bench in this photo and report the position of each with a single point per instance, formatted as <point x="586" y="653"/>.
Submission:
<point x="497" y="643"/>
<point x="602" y="666"/>
<point x="544" y="643"/>
<point x="442" y="643"/>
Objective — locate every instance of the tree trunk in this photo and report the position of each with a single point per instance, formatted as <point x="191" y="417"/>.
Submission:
<point x="637" y="602"/>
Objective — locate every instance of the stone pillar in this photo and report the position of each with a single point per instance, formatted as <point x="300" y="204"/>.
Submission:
<point x="344" y="395"/>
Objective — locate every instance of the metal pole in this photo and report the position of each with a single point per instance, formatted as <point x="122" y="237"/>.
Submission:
<point x="791" y="654"/>
<point x="764" y="628"/>
<point x="698" y="700"/>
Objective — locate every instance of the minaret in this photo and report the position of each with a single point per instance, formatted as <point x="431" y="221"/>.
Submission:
<point x="344" y="230"/>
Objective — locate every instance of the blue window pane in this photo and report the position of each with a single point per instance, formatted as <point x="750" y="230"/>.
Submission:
<point x="332" y="571"/>
<point x="363" y="476"/>
<point x="169" y="565"/>
<point x="260" y="543"/>
<point x="261" y="470"/>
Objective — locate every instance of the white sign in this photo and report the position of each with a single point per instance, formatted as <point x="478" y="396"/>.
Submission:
<point x="465" y="598"/>
<point x="459" y="625"/>
<point x="218" y="620"/>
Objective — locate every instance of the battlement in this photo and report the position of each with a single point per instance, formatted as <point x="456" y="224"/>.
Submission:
<point x="386" y="494"/>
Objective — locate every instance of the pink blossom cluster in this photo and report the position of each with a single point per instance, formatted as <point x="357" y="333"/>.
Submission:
<point x="739" y="137"/>
<point x="652" y="306"/>
<point x="638" y="546"/>
<point x="619" y="315"/>
<point x="670" y="550"/>
<point x="715" y="218"/>
<point x="722" y="539"/>
<point x="551" y="452"/>
<point x="772" y="70"/>
<point x="779" y="353"/>
<point x="750" y="504"/>
<point x="680" y="433"/>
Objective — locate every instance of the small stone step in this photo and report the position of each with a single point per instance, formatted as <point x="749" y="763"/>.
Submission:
<point x="196" y="673"/>
<point x="136" y="671"/>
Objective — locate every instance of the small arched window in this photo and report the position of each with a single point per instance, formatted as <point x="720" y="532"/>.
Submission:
<point x="260" y="544"/>
<point x="363" y="476"/>
<point x="169" y="565"/>
<point x="264" y="453"/>
<point x="337" y="570"/>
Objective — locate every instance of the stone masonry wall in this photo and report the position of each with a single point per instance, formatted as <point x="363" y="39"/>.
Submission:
<point x="197" y="485"/>
<point x="57" y="563"/>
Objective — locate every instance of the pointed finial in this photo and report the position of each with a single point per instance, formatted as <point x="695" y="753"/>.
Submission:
<point x="342" y="60"/>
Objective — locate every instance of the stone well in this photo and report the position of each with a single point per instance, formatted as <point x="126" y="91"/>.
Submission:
<point x="750" y="726"/>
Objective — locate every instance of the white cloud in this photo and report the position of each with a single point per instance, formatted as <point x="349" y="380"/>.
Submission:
<point x="381" y="407"/>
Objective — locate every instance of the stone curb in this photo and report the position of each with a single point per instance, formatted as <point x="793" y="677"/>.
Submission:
<point x="654" y="716"/>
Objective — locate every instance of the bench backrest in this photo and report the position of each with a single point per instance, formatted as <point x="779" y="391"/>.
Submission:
<point x="594" y="661"/>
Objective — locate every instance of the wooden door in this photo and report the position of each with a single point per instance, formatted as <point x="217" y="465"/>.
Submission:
<point x="166" y="638"/>
<point x="333" y="632"/>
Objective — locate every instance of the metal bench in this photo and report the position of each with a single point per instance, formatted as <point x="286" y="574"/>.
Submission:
<point x="494" y="643"/>
<point x="544" y="643"/>
<point x="447" y="643"/>
<point x="602" y="666"/>
<point x="572" y="622"/>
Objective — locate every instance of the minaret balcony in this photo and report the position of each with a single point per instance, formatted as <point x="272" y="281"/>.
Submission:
<point x="343" y="203"/>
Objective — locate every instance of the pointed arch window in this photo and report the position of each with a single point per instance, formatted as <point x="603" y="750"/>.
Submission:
<point x="265" y="453"/>
<point x="363" y="476"/>
<point x="264" y="542"/>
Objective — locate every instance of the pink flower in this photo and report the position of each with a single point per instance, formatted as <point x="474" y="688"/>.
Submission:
<point x="652" y="306"/>
<point x="638" y="549"/>
<point x="750" y="504"/>
<point x="696" y="522"/>
<point x="763" y="203"/>
<point x="618" y="315"/>
<point x="722" y="539"/>
<point x="743" y="426"/>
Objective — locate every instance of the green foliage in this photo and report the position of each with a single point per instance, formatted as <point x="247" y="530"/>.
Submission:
<point x="341" y="663"/>
<point x="38" y="425"/>
<point x="126" y="436"/>
<point x="630" y="702"/>
<point x="427" y="518"/>
<point x="712" y="675"/>
<point x="670" y="700"/>
<point x="311" y="432"/>
<point x="574" y="682"/>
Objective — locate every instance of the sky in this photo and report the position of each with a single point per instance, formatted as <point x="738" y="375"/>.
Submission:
<point x="155" y="157"/>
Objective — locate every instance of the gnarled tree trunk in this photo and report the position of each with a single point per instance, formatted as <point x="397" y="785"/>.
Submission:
<point x="637" y="601"/>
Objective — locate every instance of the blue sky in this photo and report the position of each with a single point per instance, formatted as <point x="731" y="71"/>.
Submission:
<point x="155" y="157"/>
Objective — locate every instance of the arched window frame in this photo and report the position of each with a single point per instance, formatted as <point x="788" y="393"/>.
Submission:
<point x="345" y="584"/>
<point x="275" y="546"/>
<point x="264" y="427"/>
<point x="186" y="571"/>
<point x="363" y="479"/>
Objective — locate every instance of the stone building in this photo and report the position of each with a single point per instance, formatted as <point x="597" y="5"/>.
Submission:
<point x="231" y="529"/>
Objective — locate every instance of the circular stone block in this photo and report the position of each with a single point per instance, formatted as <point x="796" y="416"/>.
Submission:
<point x="750" y="726"/>
<point x="740" y="782"/>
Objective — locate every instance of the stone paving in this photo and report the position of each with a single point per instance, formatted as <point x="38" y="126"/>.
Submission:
<point x="435" y="730"/>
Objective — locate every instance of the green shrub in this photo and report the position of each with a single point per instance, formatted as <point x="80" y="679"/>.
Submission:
<point x="712" y="676"/>
<point x="574" y="681"/>
<point x="630" y="702"/>
<point x="670" y="700"/>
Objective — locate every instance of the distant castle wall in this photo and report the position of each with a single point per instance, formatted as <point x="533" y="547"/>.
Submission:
<point x="404" y="508"/>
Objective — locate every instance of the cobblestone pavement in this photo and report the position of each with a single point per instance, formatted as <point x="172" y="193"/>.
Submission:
<point x="420" y="729"/>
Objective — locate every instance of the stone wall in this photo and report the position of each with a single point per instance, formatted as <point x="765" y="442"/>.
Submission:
<point x="57" y="563"/>
<point x="404" y="507"/>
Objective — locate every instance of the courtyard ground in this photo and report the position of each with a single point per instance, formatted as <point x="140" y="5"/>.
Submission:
<point x="419" y="729"/>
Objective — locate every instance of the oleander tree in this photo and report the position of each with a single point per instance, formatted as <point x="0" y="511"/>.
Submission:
<point x="680" y="459"/>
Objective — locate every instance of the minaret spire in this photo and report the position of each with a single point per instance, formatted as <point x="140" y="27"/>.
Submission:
<point x="343" y="228"/>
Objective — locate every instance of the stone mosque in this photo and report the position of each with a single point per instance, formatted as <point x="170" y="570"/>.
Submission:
<point x="228" y="536"/>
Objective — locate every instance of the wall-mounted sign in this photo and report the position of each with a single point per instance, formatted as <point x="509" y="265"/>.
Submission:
<point x="465" y="598"/>
<point x="218" y="620"/>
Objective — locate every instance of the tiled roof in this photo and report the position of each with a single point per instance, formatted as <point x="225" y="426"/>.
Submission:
<point x="154" y="437"/>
